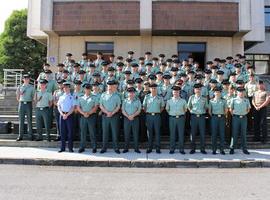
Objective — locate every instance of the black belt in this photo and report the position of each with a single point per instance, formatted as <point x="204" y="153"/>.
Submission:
<point x="177" y="116"/>
<point x="153" y="114"/>
<point x="200" y="115"/>
<point x="221" y="115"/>
<point x="239" y="116"/>
<point x="26" y="102"/>
<point x="42" y="108"/>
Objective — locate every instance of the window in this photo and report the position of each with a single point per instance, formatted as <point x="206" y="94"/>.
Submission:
<point x="267" y="17"/>
<point x="197" y="50"/>
<point x="260" y="62"/>
<point x="93" y="47"/>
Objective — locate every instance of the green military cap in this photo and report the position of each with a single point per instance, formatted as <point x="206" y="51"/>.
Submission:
<point x="214" y="81"/>
<point x="47" y="71"/>
<point x="207" y="71"/>
<point x="163" y="64"/>
<point x="130" y="52"/>
<point x="77" y="82"/>
<point x="240" y="89"/>
<point x="128" y="60"/>
<point x="233" y="74"/>
<point x="130" y="82"/>
<point x="155" y="58"/>
<point x="134" y="65"/>
<point x="217" y="59"/>
<point x="66" y="71"/>
<point x="153" y="85"/>
<point x="161" y="55"/>
<point x="222" y="61"/>
<point x="229" y="58"/>
<point x="26" y="76"/>
<point x="60" y="65"/>
<point x="138" y="80"/>
<point x="104" y="63"/>
<point x="146" y="83"/>
<point x="148" y="53"/>
<point x="183" y="74"/>
<point x="242" y="57"/>
<point x="209" y="62"/>
<point x="199" y="76"/>
<point x="191" y="72"/>
<point x="239" y="82"/>
<point x="197" y="85"/>
<point x="174" y="56"/>
<point x="112" y="55"/>
<point x="159" y="72"/>
<point x="43" y="81"/>
<point x="174" y="69"/>
<point x="96" y="74"/>
<point x="152" y="77"/>
<point x="261" y="82"/>
<point x="237" y="65"/>
<point x="127" y="72"/>
<point x="219" y="72"/>
<point x="131" y="89"/>
<point x="169" y="60"/>
<point x="149" y="64"/>
<point x="217" y="89"/>
<point x="87" y="86"/>
<point x="175" y="87"/>
<point x="92" y="66"/>
<point x="141" y="58"/>
<point x="111" y="69"/>
<point x="95" y="84"/>
<point x="120" y="64"/>
<point x="166" y="76"/>
<point x="77" y="65"/>
<point x="66" y="83"/>
<point x="142" y="73"/>
<point x="119" y="58"/>
<point x="68" y="54"/>
<point x="214" y="67"/>
<point x="84" y="54"/>
<point x="225" y="82"/>
<point x="111" y="82"/>
<point x="82" y="72"/>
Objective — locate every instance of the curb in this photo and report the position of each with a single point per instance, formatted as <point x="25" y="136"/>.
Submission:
<point x="138" y="164"/>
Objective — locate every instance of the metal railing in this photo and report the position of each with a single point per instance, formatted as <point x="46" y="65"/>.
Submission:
<point x="12" y="78"/>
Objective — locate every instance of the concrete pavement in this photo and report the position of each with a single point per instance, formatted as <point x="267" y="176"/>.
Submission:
<point x="50" y="156"/>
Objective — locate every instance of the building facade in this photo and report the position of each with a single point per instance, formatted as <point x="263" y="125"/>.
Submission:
<point x="205" y="29"/>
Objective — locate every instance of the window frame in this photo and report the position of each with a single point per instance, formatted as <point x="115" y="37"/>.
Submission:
<point x="259" y="60"/>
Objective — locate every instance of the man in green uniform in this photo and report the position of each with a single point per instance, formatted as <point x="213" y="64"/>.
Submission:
<point x="131" y="110"/>
<point x="197" y="105"/>
<point x="176" y="108"/>
<point x="43" y="101"/>
<point x="217" y="111"/>
<point x="87" y="107"/>
<point x="110" y="103"/>
<point x="25" y="94"/>
<point x="153" y="105"/>
<point x="239" y="108"/>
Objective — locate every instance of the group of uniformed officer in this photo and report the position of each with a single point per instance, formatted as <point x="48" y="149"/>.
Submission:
<point x="148" y="96"/>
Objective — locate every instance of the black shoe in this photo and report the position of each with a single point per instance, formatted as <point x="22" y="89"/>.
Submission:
<point x="182" y="152"/>
<point x="171" y="152"/>
<point x="81" y="150"/>
<point x="38" y="139"/>
<point x="102" y="151"/>
<point x="192" y="151"/>
<point x="19" y="139"/>
<point x="125" y="150"/>
<point x="232" y="151"/>
<point x="214" y="152"/>
<point x="246" y="152"/>
<point x="117" y="151"/>
<point x="203" y="152"/>
<point x="61" y="150"/>
<point x="222" y="152"/>
<point x="70" y="151"/>
<point x="94" y="151"/>
<point x="48" y="139"/>
<point x="57" y="139"/>
<point x="31" y="138"/>
<point x="149" y="151"/>
<point x="137" y="151"/>
<point x="158" y="151"/>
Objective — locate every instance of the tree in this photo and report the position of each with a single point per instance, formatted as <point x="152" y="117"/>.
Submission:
<point x="16" y="49"/>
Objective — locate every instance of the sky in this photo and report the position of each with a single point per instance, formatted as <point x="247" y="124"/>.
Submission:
<point x="7" y="7"/>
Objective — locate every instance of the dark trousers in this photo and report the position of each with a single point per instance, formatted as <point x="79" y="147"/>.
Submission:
<point x="66" y="130"/>
<point x="177" y="126"/>
<point x="57" y="121"/>
<point x="143" y="129"/>
<point x="153" y="124"/>
<point x="76" y="126"/>
<point x="260" y="124"/>
<point x="239" y="125"/>
<point x="131" y="127"/>
<point x="217" y="128"/>
<point x="42" y="117"/>
<point x="228" y="132"/>
<point x="25" y="110"/>
<point x="250" y="115"/>
<point x="197" y="123"/>
<point x="88" y="125"/>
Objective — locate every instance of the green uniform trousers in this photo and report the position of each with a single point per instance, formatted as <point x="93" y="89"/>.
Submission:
<point x="134" y="127"/>
<point x="218" y="127"/>
<point x="42" y="117"/>
<point x="153" y="125"/>
<point x="239" y="124"/>
<point x="88" y="125"/>
<point x="25" y="109"/>
<point x="197" y="122"/>
<point x="177" y="125"/>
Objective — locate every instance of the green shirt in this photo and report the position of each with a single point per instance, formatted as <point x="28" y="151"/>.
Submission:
<point x="131" y="106"/>
<point x="110" y="101"/>
<point x="43" y="99"/>
<point x="197" y="105"/>
<point x="153" y="104"/>
<point x="176" y="106"/>
<point x="217" y="106"/>
<point x="87" y="103"/>
<point x="57" y="94"/>
<point x="26" y="92"/>
<point x="229" y="99"/>
<point x="240" y="106"/>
